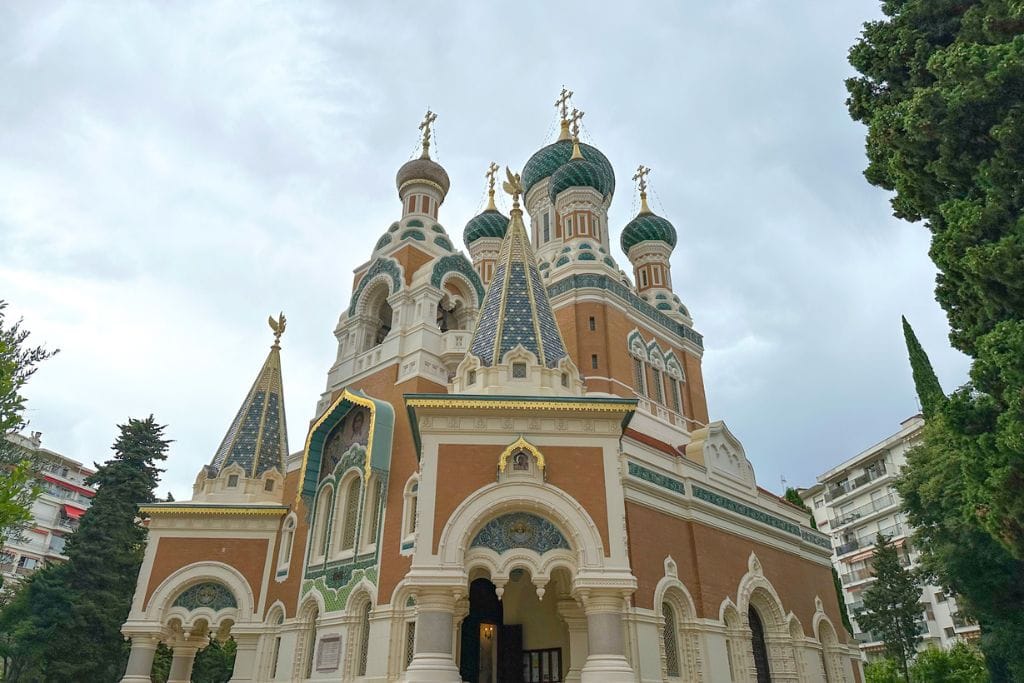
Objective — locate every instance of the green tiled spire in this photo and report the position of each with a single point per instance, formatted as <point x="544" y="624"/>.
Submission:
<point x="516" y="309"/>
<point x="257" y="439"/>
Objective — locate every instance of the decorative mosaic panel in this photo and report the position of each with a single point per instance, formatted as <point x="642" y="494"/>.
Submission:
<point x="381" y="265"/>
<point x="754" y="514"/>
<point x="598" y="281"/>
<point x="211" y="594"/>
<point x="459" y="264"/>
<point x="520" y="530"/>
<point x="335" y="597"/>
<point x="817" y="539"/>
<point x="656" y="478"/>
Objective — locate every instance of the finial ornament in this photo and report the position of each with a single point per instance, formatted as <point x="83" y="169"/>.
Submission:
<point x="492" y="171"/>
<point x="562" y="104"/>
<point x="575" y="119"/>
<point x="428" y="120"/>
<point x="278" y="327"/>
<point x="514" y="186"/>
<point x="641" y="183"/>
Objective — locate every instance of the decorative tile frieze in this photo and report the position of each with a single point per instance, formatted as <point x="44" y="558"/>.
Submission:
<point x="656" y="478"/>
<point x="757" y="515"/>
<point x="520" y="530"/>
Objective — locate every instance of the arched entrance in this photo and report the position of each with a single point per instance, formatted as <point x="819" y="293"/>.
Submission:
<point x="519" y="637"/>
<point x="760" y="647"/>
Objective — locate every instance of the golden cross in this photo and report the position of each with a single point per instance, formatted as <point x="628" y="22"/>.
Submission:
<point x="562" y="103"/>
<point x="492" y="170"/>
<point x="641" y="177"/>
<point x="574" y="120"/>
<point x="425" y="127"/>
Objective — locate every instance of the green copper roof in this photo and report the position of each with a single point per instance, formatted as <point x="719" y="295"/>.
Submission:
<point x="490" y="223"/>
<point x="580" y="173"/>
<point x="645" y="227"/>
<point x="257" y="439"/>
<point x="549" y="159"/>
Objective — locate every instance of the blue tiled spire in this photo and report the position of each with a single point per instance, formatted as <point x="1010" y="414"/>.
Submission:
<point x="516" y="309"/>
<point x="257" y="439"/>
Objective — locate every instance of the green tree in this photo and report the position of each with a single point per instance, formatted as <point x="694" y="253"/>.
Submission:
<point x="66" y="622"/>
<point x="959" y="664"/>
<point x="19" y="486"/>
<point x="892" y="605"/>
<point x="941" y="90"/>
<point x="883" y="670"/>
<point x="794" y="497"/>
<point x="955" y="551"/>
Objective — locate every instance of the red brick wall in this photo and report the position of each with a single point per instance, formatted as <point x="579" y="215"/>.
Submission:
<point x="248" y="556"/>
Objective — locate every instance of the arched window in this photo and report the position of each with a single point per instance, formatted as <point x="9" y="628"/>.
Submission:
<point x="348" y="530"/>
<point x="284" y="556"/>
<point x="671" y="641"/>
<point x="639" y="377"/>
<point x="371" y="515"/>
<point x="409" y="513"/>
<point x="759" y="646"/>
<point x="323" y="514"/>
<point x="364" y="639"/>
<point x="310" y="642"/>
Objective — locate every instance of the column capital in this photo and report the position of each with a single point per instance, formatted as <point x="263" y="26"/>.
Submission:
<point x="603" y="599"/>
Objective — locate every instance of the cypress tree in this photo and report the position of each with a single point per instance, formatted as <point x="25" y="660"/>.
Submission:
<point x="892" y="605"/>
<point x="929" y="391"/>
<point x="72" y="630"/>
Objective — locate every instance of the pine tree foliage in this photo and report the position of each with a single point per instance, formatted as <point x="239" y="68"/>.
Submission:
<point x="929" y="391"/>
<point x="66" y="621"/>
<point x="892" y="605"/>
<point x="941" y="89"/>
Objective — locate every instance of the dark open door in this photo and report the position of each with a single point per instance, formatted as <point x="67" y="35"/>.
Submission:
<point x="510" y="654"/>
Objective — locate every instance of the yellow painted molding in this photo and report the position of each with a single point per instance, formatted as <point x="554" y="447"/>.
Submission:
<point x="346" y="395"/>
<point x="464" y="403"/>
<point x="253" y="511"/>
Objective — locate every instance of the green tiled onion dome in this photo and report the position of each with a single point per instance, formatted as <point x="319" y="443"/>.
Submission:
<point x="423" y="168"/>
<point x="578" y="173"/>
<point x="547" y="160"/>
<point x="490" y="223"/>
<point x="646" y="227"/>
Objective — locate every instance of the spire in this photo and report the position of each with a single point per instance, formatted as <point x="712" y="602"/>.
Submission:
<point x="516" y="309"/>
<point x="257" y="439"/>
<point x="641" y="182"/>
<point x="562" y="104"/>
<point x="929" y="391"/>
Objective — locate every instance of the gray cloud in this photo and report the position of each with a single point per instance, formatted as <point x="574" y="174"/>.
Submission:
<point x="172" y="173"/>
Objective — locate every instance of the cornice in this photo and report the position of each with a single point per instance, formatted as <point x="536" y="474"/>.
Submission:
<point x="214" y="510"/>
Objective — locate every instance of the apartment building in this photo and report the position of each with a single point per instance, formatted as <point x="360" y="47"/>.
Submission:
<point x="55" y="513"/>
<point x="852" y="503"/>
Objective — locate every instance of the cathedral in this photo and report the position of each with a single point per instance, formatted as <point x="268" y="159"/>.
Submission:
<point x="510" y="476"/>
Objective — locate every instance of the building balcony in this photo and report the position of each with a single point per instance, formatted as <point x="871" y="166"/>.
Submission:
<point x="960" y="621"/>
<point x="873" y="473"/>
<point x="862" y="511"/>
<point x="868" y="540"/>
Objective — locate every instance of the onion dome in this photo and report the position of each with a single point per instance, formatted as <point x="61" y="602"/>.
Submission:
<point x="551" y="158"/>
<point x="423" y="168"/>
<point x="647" y="227"/>
<point x="578" y="172"/>
<point x="489" y="223"/>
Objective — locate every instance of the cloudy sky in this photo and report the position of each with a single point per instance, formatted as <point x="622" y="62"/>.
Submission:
<point x="172" y="173"/>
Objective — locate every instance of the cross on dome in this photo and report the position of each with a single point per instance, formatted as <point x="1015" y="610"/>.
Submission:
<point x="574" y="120"/>
<point x="562" y="103"/>
<point x="428" y="120"/>
<point x="492" y="170"/>
<point x="641" y="177"/>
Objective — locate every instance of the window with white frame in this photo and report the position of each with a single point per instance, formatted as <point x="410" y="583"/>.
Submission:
<point x="284" y="555"/>
<point x="349" y="509"/>
<point x="639" y="377"/>
<point x="321" y="524"/>
<point x="409" y="513"/>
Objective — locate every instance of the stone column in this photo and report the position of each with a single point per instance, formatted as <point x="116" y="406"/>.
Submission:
<point x="576" y="621"/>
<point x="140" y="660"/>
<point x="433" y="660"/>
<point x="245" y="657"/>
<point x="181" y="664"/>
<point x="606" y="660"/>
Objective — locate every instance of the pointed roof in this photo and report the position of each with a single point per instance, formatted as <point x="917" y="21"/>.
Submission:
<point x="516" y="309"/>
<point x="257" y="439"/>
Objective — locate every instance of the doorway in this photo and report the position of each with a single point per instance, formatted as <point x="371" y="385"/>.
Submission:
<point x="491" y="651"/>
